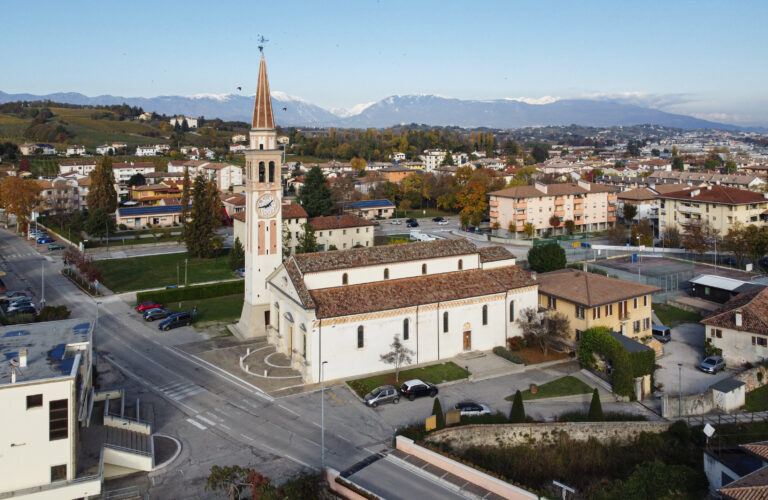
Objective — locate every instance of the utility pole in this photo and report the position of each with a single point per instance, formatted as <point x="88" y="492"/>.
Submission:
<point x="107" y="223"/>
<point x="42" y="300"/>
<point x="322" y="416"/>
<point x="680" y="390"/>
<point x="186" y="261"/>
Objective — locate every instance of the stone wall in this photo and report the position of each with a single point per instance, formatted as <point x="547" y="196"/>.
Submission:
<point x="750" y="378"/>
<point x="463" y="437"/>
<point x="692" y="404"/>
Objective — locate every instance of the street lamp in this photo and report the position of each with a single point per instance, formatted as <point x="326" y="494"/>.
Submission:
<point x="322" y="415"/>
<point x="680" y="390"/>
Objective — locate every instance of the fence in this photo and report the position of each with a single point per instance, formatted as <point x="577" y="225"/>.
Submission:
<point x="727" y="418"/>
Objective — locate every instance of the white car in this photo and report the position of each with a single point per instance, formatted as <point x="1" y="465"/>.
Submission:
<point x="395" y="221"/>
<point x="442" y="223"/>
<point x="472" y="409"/>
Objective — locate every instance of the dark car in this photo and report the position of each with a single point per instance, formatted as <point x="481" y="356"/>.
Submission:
<point x="150" y="304"/>
<point x="45" y="239"/>
<point x="55" y="246"/>
<point x="712" y="364"/>
<point x="472" y="409"/>
<point x="438" y="219"/>
<point x="383" y="394"/>
<point x="412" y="224"/>
<point x="176" y="320"/>
<point x="415" y="388"/>
<point x="411" y="219"/>
<point x="156" y="313"/>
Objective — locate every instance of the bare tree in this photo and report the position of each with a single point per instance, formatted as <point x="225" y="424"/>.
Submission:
<point x="544" y="330"/>
<point x="695" y="237"/>
<point x="398" y="356"/>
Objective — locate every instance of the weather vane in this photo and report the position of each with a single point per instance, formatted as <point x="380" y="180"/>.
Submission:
<point x="262" y="40"/>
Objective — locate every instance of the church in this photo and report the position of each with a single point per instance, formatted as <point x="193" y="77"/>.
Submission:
<point x="344" y="307"/>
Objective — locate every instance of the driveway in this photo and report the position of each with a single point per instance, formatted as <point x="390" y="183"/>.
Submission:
<point x="686" y="348"/>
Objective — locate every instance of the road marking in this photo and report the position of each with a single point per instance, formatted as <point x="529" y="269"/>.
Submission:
<point x="197" y="424"/>
<point x="247" y="437"/>
<point x="226" y="427"/>
<point x="203" y="419"/>
<point x="315" y="424"/>
<point x="288" y="410"/>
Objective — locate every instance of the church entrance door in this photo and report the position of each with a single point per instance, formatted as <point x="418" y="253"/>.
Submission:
<point x="467" y="340"/>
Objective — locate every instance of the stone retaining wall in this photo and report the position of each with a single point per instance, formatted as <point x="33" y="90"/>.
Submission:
<point x="463" y="437"/>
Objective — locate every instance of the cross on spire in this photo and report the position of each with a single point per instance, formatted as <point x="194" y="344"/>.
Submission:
<point x="262" y="41"/>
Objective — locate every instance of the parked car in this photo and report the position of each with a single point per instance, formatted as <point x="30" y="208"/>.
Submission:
<point x="383" y="394"/>
<point x="156" y="313"/>
<point x="55" y="246"/>
<point x="438" y="219"/>
<point x="15" y="293"/>
<point x="412" y="224"/>
<point x="175" y="320"/>
<point x="442" y="223"/>
<point x="20" y="300"/>
<point x="415" y="388"/>
<point x="410" y="219"/>
<point x="150" y="304"/>
<point x="240" y="272"/>
<point x="395" y="221"/>
<point x="712" y="364"/>
<point x="23" y="309"/>
<point x="661" y="333"/>
<point x="472" y="409"/>
<point x="45" y="239"/>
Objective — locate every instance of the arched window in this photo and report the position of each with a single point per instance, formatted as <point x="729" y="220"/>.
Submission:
<point x="461" y="264"/>
<point x="512" y="312"/>
<point x="423" y="269"/>
<point x="445" y="322"/>
<point x="261" y="171"/>
<point x="386" y="273"/>
<point x="360" y="337"/>
<point x="344" y="279"/>
<point x="485" y="315"/>
<point x="271" y="171"/>
<point x="405" y="329"/>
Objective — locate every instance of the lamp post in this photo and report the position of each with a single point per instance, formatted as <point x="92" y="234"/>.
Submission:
<point x="322" y="415"/>
<point x="42" y="300"/>
<point x="680" y="389"/>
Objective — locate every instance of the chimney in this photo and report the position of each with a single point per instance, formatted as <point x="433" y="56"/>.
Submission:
<point x="22" y="358"/>
<point x="695" y="193"/>
<point x="533" y="275"/>
<point x="584" y="185"/>
<point x="540" y="186"/>
<point x="737" y="318"/>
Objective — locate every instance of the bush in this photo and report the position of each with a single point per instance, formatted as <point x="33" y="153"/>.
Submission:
<point x="123" y="227"/>
<point x="517" y="414"/>
<point x="595" y="408"/>
<point x="548" y="257"/>
<point x="437" y="411"/>
<point x="516" y="343"/>
<point x="53" y="313"/>
<point x="509" y="356"/>
<point x="193" y="292"/>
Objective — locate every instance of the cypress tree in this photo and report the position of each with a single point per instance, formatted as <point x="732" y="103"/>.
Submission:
<point x="437" y="411"/>
<point x="185" y="189"/>
<point x="517" y="415"/>
<point x="102" y="192"/>
<point x="315" y="196"/>
<point x="237" y="255"/>
<point x="204" y="219"/>
<point x="595" y="408"/>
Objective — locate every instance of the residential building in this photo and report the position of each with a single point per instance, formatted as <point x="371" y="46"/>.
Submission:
<point x="718" y="206"/>
<point x="191" y="122"/>
<point x="64" y="193"/>
<point x="592" y="207"/>
<point x="154" y="215"/>
<point x="397" y="156"/>
<point x="45" y="388"/>
<point x="154" y="194"/>
<point x="226" y="175"/>
<point x="233" y="203"/>
<point x="75" y="150"/>
<point x="124" y="171"/>
<point x="741" y="181"/>
<point x="342" y="231"/>
<point x="105" y="149"/>
<point x="590" y="300"/>
<point x="146" y="150"/>
<point x="82" y="167"/>
<point x="145" y="116"/>
<point x="433" y="158"/>
<point x="160" y="177"/>
<point x="740" y="328"/>
<point x="645" y="201"/>
<point x="737" y="472"/>
<point x="395" y="174"/>
<point x="33" y="149"/>
<point x="371" y="209"/>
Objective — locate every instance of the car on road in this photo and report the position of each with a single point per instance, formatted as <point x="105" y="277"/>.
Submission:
<point x="45" y="239"/>
<point x="472" y="409"/>
<point x="156" y="313"/>
<point x="55" y="246"/>
<point x="15" y="293"/>
<point x="712" y="364"/>
<point x="416" y="388"/>
<point x="150" y="304"/>
<point x="175" y="320"/>
<point x="382" y="394"/>
<point x="412" y="224"/>
<point x="395" y="221"/>
<point x="23" y="309"/>
<point x="240" y="272"/>
<point x="442" y="223"/>
<point x="438" y="219"/>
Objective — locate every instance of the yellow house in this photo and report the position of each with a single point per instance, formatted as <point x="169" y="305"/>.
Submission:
<point x="590" y="300"/>
<point x="153" y="194"/>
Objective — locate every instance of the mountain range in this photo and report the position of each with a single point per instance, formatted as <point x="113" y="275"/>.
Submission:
<point x="423" y="109"/>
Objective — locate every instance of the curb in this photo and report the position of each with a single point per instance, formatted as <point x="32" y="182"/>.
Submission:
<point x="175" y="454"/>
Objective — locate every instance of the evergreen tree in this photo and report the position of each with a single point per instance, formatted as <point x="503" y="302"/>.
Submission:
<point x="204" y="219"/>
<point x="307" y="240"/>
<point x="102" y="192"/>
<point x="545" y="258"/>
<point x="185" y="200"/>
<point x="437" y="411"/>
<point x="517" y="415"/>
<point x="237" y="255"/>
<point x="447" y="159"/>
<point x="315" y="196"/>
<point x="100" y="223"/>
<point x="595" y="408"/>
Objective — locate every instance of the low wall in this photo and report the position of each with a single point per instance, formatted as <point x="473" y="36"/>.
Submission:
<point x="127" y="424"/>
<point x="465" y="472"/>
<point x="127" y="459"/>
<point x="544" y="433"/>
<point x="751" y="379"/>
<point x="343" y="491"/>
<point x="76" y="488"/>
<point x="692" y="404"/>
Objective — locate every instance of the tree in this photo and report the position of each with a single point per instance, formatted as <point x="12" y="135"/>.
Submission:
<point x="19" y="196"/>
<point x="286" y="234"/>
<point x="496" y="226"/>
<point x="644" y="232"/>
<point x="447" y="159"/>
<point x="545" y="258"/>
<point x="472" y="200"/>
<point x="315" y="196"/>
<point x="185" y="190"/>
<point x="543" y="330"/>
<point x="100" y="223"/>
<point x="617" y="234"/>
<point x="554" y="221"/>
<point x="695" y="238"/>
<point x="735" y="241"/>
<point x="529" y="229"/>
<point x="25" y="165"/>
<point x="655" y="152"/>
<point x="628" y="212"/>
<point x="230" y="478"/>
<point x="671" y="238"/>
<point x="437" y="411"/>
<point x="570" y="226"/>
<point x="540" y="152"/>
<point x="204" y="219"/>
<point x="757" y="242"/>
<point x="677" y="163"/>
<point x="307" y="240"/>
<point x="237" y="255"/>
<point x="398" y="356"/>
<point x="730" y="167"/>
<point x="137" y="180"/>
<point x="358" y="164"/>
<point x="517" y="414"/>
<point x="595" y="408"/>
<point x="102" y="192"/>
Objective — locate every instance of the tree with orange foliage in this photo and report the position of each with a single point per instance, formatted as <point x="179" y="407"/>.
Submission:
<point x="19" y="197"/>
<point x="472" y="200"/>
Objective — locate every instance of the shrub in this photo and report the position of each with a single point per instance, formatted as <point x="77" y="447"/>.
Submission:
<point x="437" y="411"/>
<point x="625" y="365"/>
<point x="517" y="414"/>
<point x="53" y="313"/>
<point x="504" y="353"/>
<point x="516" y="343"/>
<point x="595" y="407"/>
<point x="193" y="292"/>
<point x="123" y="227"/>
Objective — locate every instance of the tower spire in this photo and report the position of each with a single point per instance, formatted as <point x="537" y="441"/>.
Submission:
<point x="262" y="109"/>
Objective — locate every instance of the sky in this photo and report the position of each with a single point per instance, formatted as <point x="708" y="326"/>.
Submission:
<point x="702" y="58"/>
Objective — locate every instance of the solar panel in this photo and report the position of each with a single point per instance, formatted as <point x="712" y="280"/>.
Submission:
<point x="82" y="328"/>
<point x="58" y="351"/>
<point x="160" y="209"/>
<point x="11" y="355"/>
<point x="371" y="203"/>
<point x="16" y="333"/>
<point x="66" y="365"/>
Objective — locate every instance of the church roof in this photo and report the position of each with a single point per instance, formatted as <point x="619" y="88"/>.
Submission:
<point x="494" y="253"/>
<point x="262" y="109"/>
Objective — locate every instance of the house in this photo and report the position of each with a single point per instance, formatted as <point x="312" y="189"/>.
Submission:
<point x="62" y="194"/>
<point x="395" y="174"/>
<point x="433" y="158"/>
<point x="645" y="201"/>
<point x="145" y="117"/>
<point x="82" y="167"/>
<point x="718" y="206"/>
<point x="146" y="150"/>
<point x="233" y="203"/>
<point x="737" y="472"/>
<point x="239" y="138"/>
<point x="33" y="149"/>
<point x="371" y="209"/>
<point x="740" y="328"/>
<point x="124" y="171"/>
<point x="191" y="122"/>
<point x="160" y="177"/>
<point x="590" y="300"/>
<point x="338" y="232"/>
<point x="153" y="194"/>
<point x="156" y="215"/>
<point x="719" y="288"/>
<point x="105" y="149"/>
<point x="226" y="175"/>
<point x="45" y="390"/>
<point x="740" y="181"/>
<point x="75" y="150"/>
<point x="590" y="206"/>
<point x="397" y="156"/>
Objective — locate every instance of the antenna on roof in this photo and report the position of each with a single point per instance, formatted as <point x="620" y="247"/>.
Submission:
<point x="262" y="41"/>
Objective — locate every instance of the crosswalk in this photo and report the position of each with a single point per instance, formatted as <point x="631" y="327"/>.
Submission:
<point x="10" y="256"/>
<point x="180" y="390"/>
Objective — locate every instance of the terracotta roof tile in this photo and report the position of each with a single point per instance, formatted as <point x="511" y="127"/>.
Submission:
<point x="138" y="164"/>
<point x="718" y="194"/>
<point x="239" y="216"/>
<point x="753" y="486"/>
<point x="494" y="253"/>
<point x="753" y="306"/>
<point x="589" y="289"/>
<point x="298" y="282"/>
<point x="337" y="222"/>
<point x="552" y="190"/>
<point x="293" y="211"/>
<point x="511" y="277"/>
<point x="760" y="449"/>
<point x="637" y="194"/>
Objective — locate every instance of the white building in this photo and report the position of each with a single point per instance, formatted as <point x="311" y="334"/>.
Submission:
<point x="191" y="122"/>
<point x="224" y="174"/>
<point x="105" y="149"/>
<point x="82" y="167"/>
<point x="433" y="158"/>
<point x="396" y="156"/>
<point x="75" y="150"/>
<point x="146" y="150"/>
<point x="45" y="384"/>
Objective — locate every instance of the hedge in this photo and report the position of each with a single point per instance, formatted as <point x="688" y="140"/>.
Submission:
<point x="193" y="292"/>
<point x="509" y="356"/>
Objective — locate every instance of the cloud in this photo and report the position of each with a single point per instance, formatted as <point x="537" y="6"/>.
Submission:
<point x="645" y="99"/>
<point x="547" y="99"/>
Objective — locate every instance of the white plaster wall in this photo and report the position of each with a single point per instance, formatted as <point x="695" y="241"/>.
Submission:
<point x="499" y="263"/>
<point x="737" y="347"/>
<point x="345" y="238"/>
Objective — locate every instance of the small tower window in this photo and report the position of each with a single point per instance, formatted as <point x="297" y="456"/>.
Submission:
<point x="461" y="264"/>
<point x="405" y="329"/>
<point x="386" y="273"/>
<point x="485" y="315"/>
<point x="445" y="322"/>
<point x="271" y="171"/>
<point x="261" y="146"/>
<point x="344" y="279"/>
<point x="360" y="337"/>
<point x="512" y="312"/>
<point x="261" y="171"/>
<point x="423" y="269"/>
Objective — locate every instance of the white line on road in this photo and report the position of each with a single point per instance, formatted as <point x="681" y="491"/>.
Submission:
<point x="288" y="410"/>
<point x="203" y="419"/>
<point x="249" y="438"/>
<point x="197" y="424"/>
<point x="226" y="427"/>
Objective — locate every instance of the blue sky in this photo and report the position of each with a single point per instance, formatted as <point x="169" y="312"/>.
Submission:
<point x="695" y="57"/>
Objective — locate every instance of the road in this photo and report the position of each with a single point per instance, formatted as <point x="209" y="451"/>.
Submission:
<point x="223" y="409"/>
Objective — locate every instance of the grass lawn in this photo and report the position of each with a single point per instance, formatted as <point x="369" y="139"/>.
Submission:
<point x="565" y="386"/>
<point x="757" y="400"/>
<point x="226" y="308"/>
<point x="670" y="315"/>
<point x="141" y="273"/>
<point x="434" y="374"/>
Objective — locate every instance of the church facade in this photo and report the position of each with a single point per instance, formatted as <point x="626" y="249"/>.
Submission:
<point x="441" y="298"/>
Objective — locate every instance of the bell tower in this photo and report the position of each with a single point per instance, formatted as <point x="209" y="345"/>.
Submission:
<point x="263" y="219"/>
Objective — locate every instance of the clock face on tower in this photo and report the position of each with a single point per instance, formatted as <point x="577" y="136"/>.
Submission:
<point x="266" y="206"/>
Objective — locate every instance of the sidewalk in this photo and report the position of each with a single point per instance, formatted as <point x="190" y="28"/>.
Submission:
<point x="483" y="365"/>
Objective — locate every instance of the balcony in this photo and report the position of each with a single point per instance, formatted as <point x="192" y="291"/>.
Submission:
<point x="559" y="202"/>
<point x="493" y="202"/>
<point x="559" y="213"/>
<point x="578" y="211"/>
<point x="611" y="219"/>
<point x="521" y="206"/>
<point x="688" y="210"/>
<point x="521" y="216"/>
<point x="493" y="215"/>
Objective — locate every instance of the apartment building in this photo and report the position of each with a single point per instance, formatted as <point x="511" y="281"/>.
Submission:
<point x="225" y="174"/>
<point x="718" y="206"/>
<point x="82" y="167"/>
<point x="590" y="206"/>
<point x="64" y="193"/>
<point x="342" y="231"/>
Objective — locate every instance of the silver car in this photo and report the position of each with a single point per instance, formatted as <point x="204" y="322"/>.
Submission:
<point x="712" y="364"/>
<point x="383" y="394"/>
